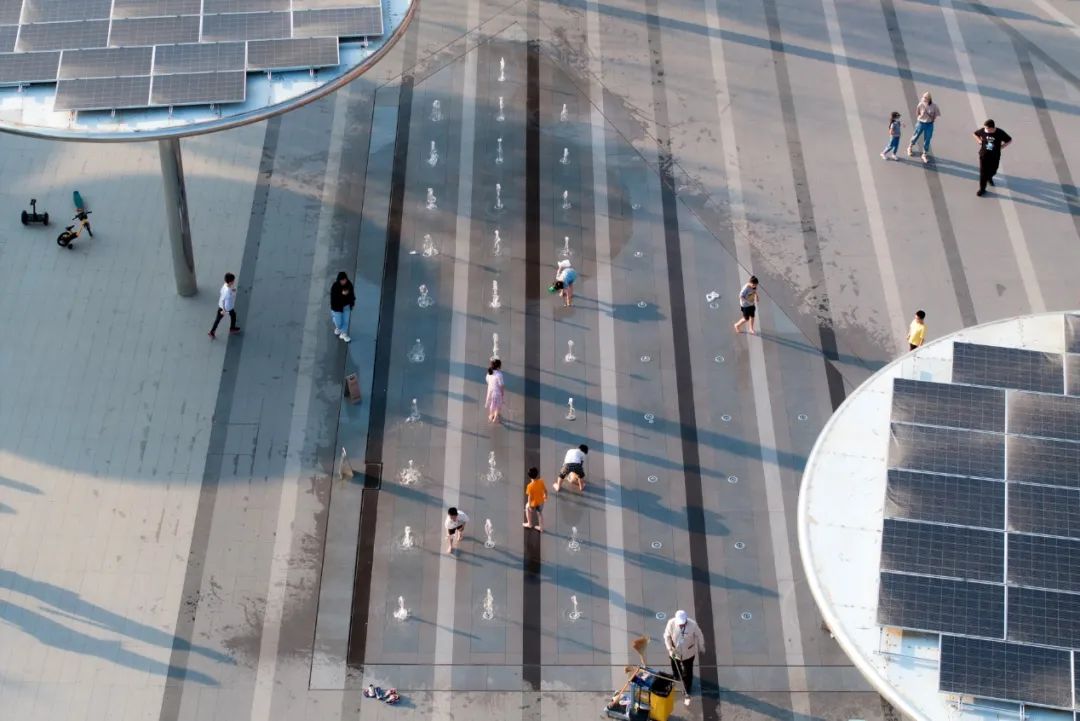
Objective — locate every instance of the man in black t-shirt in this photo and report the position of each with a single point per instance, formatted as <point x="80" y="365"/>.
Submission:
<point x="991" y="140"/>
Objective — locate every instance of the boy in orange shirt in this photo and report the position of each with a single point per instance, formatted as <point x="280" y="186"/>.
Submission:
<point x="535" y="495"/>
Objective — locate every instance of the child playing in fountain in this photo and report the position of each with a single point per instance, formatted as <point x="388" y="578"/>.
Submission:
<point x="455" y="528"/>
<point x="535" y="495"/>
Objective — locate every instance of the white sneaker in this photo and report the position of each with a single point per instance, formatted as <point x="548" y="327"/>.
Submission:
<point x="686" y="701"/>
<point x="884" y="156"/>
<point x="337" y="332"/>
<point x="345" y="338"/>
<point x="893" y="157"/>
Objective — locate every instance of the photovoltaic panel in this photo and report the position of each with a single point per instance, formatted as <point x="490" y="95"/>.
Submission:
<point x="198" y="58"/>
<point x="105" y="62"/>
<point x="154" y="8"/>
<point x="18" y="68"/>
<point x="62" y="36"/>
<point x="287" y="35"/>
<point x="1049" y="510"/>
<point x="198" y="88"/>
<point x="245" y="26"/>
<point x="1008" y="368"/>
<point x="10" y="10"/>
<point x="1048" y="618"/>
<point x="45" y="11"/>
<point x="102" y="93"/>
<point x="154" y="31"/>
<point x="326" y="4"/>
<point x="1007" y="671"/>
<point x="923" y="603"/>
<point x="343" y="22"/>
<point x="8" y="34"/>
<point x="1072" y="333"/>
<point x="1042" y="414"/>
<point x="946" y="450"/>
<point x="945" y="499"/>
<point x="1044" y="562"/>
<point x="213" y="7"/>
<point x="1072" y="374"/>
<point x="968" y="553"/>
<point x="1039" y="460"/>
<point x="293" y="53"/>
<point x="945" y="404"/>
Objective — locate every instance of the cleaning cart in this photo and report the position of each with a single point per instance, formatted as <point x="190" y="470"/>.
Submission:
<point x="648" y="696"/>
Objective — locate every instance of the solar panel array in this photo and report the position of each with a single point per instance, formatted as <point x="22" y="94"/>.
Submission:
<point x="119" y="54"/>
<point x="981" y="539"/>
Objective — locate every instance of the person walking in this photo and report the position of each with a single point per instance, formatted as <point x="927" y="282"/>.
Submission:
<point x="535" y="496"/>
<point x="573" y="468"/>
<point x="748" y="305"/>
<point x="889" y="153"/>
<point x="226" y="304"/>
<point x="342" y="300"/>
<point x="926" y="113"/>
<point x="992" y="140"/>
<point x="493" y="401"/>
<point x="565" y="275"/>
<point x="684" y="641"/>
<point x="455" y="528"/>
<point x="916" y="334"/>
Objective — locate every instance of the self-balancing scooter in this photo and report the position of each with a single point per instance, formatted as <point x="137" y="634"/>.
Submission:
<point x="33" y="216"/>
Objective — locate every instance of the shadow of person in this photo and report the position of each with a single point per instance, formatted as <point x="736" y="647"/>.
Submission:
<point x="57" y="635"/>
<point x="71" y="605"/>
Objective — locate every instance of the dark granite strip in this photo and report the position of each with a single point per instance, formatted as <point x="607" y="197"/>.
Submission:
<point x="1053" y="143"/>
<point x="531" y="606"/>
<point x="811" y="242"/>
<point x="933" y="180"/>
<point x="700" y="573"/>
<point x="230" y="372"/>
<point x="369" y="505"/>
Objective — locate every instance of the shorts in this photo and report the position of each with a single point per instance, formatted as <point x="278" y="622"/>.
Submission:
<point x="748" y="311"/>
<point x="452" y="531"/>
<point x="535" y="509"/>
<point x="569" y="468"/>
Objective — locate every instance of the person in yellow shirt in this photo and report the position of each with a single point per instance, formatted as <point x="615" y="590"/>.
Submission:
<point x="917" y="330"/>
<point x="535" y="495"/>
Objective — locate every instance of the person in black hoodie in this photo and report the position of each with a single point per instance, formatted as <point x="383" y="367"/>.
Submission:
<point x="342" y="300"/>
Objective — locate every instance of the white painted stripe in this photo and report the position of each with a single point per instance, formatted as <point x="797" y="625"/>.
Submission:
<point x="774" y="494"/>
<point x="609" y="395"/>
<point x="455" y="405"/>
<point x="879" y="238"/>
<point x="1059" y="16"/>
<point x="1008" y="209"/>
<point x="316" y="323"/>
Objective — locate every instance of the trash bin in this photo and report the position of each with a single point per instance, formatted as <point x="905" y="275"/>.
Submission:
<point x="660" y="688"/>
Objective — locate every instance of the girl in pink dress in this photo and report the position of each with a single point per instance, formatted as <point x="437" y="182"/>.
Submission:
<point x="494" y="400"/>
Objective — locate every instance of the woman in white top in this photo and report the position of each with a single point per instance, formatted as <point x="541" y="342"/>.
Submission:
<point x="925" y="115"/>
<point x="494" y="399"/>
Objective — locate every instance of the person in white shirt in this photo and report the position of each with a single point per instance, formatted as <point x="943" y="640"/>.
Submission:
<point x="226" y="304"/>
<point x="684" y="641"/>
<point x="573" y="468"/>
<point x="455" y="528"/>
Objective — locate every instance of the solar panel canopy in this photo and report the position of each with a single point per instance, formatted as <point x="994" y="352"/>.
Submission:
<point x="124" y="54"/>
<point x="981" y="537"/>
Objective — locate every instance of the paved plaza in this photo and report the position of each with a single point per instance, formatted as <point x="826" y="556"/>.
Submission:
<point x="177" y="542"/>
